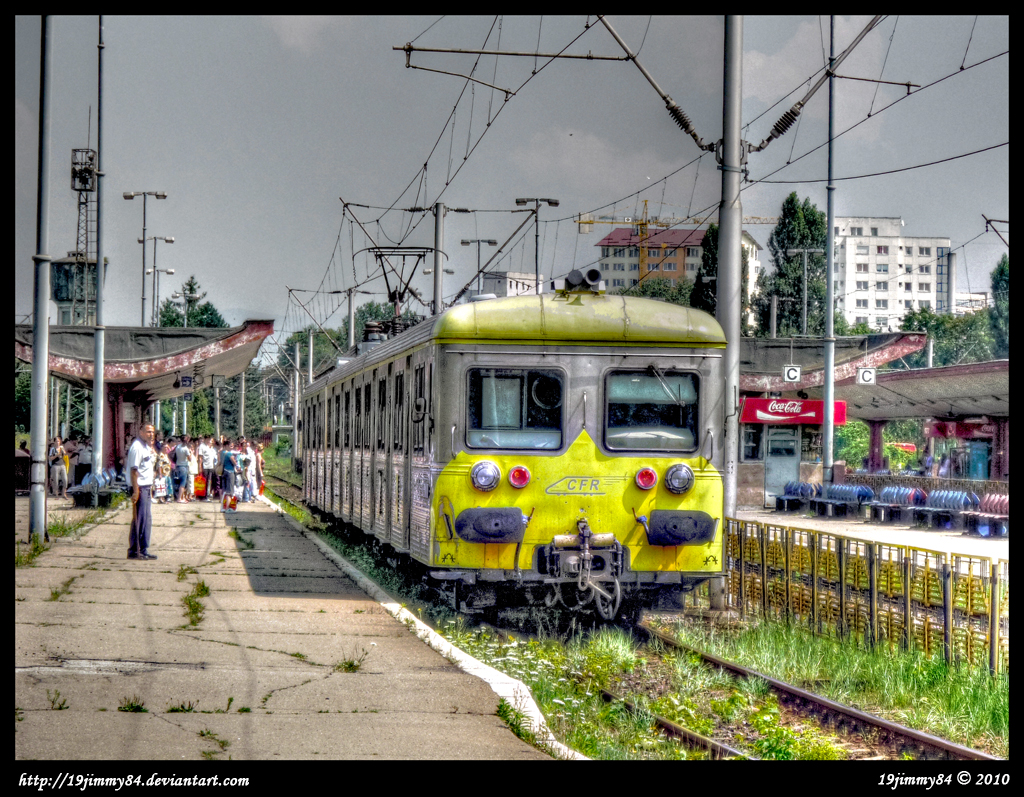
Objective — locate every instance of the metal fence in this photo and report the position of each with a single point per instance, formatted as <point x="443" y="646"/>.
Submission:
<point x="873" y="594"/>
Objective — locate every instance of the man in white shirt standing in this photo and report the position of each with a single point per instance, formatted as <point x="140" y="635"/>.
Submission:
<point x="139" y="464"/>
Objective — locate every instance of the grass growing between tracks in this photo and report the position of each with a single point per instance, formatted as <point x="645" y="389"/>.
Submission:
<point x="566" y="679"/>
<point x="963" y="704"/>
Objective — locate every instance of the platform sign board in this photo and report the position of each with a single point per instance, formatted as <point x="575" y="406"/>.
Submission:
<point x="791" y="373"/>
<point x="865" y="376"/>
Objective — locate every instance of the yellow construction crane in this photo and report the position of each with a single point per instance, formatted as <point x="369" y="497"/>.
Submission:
<point x="643" y="224"/>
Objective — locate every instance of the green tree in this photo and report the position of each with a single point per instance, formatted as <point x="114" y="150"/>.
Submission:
<point x="999" y="315"/>
<point x="256" y="415"/>
<point x="957" y="339"/>
<point x="801" y="226"/>
<point x="200" y="313"/>
<point x="705" y="289"/>
<point x="662" y="289"/>
<point x="22" y="396"/>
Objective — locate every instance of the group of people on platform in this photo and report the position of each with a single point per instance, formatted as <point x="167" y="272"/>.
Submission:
<point x="68" y="462"/>
<point x="203" y="468"/>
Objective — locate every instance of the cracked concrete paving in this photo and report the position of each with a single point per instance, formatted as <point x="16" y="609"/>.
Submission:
<point x="258" y="669"/>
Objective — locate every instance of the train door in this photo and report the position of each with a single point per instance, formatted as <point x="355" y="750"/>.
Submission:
<point x="366" y="473"/>
<point x="336" y="466"/>
<point x="382" y="464"/>
<point x="397" y="525"/>
<point x="346" y="456"/>
<point x="781" y="461"/>
<point x="419" y="423"/>
<point x="356" y="477"/>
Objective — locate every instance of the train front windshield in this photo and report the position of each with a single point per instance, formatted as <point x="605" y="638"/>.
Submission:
<point x="651" y="410"/>
<point x="514" y="408"/>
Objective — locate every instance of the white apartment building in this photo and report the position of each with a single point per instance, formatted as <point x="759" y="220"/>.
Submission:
<point x="671" y="254"/>
<point x="509" y="283"/>
<point x="880" y="274"/>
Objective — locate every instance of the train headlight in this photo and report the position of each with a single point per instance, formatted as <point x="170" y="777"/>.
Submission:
<point x="485" y="475"/>
<point x="519" y="477"/>
<point x="679" y="479"/>
<point x="646" y="478"/>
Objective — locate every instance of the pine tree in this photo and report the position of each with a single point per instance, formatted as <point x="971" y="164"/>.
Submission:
<point x="999" y="315"/>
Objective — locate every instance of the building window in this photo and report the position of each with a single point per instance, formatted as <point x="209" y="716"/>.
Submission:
<point x="882" y="268"/>
<point x="924" y="304"/>
<point x="874" y="232"/>
<point x="862" y="285"/>
<point x="604" y="251"/>
<point x="924" y="286"/>
<point x="862" y="249"/>
<point x="856" y="231"/>
<point x="604" y="267"/>
<point x="862" y="304"/>
<point x="619" y="252"/>
<point x="618" y="266"/>
<point x="882" y="250"/>
<point x="909" y="304"/>
<point x="881" y="304"/>
<point x="618" y="283"/>
<point x="654" y="253"/>
<point x="924" y="250"/>
<point x="862" y="268"/>
<point x="881" y="286"/>
<point x="634" y="266"/>
<point x="861" y="319"/>
<point x="669" y="267"/>
<point x="752" y="435"/>
<point x="691" y="267"/>
<point x="652" y="266"/>
<point x="908" y="286"/>
<point x="910" y="251"/>
<point x="634" y="251"/>
<point x="925" y="270"/>
<point x="633" y="282"/>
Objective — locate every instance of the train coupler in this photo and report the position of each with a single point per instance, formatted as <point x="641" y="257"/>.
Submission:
<point x="594" y="562"/>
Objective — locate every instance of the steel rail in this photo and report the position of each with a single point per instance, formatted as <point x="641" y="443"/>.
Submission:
<point x="692" y="738"/>
<point x="890" y="730"/>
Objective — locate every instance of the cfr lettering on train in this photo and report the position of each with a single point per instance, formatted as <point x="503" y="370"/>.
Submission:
<point x="583" y="485"/>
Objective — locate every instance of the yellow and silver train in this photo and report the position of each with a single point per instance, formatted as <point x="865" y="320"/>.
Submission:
<point x="560" y="450"/>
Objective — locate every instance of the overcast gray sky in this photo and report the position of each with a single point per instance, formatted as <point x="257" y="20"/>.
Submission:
<point x="255" y="126"/>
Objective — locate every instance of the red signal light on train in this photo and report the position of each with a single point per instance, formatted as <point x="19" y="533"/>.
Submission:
<point x="519" y="477"/>
<point x="646" y="478"/>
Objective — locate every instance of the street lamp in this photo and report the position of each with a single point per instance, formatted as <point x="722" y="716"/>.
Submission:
<point x="536" y="236"/>
<point x="828" y="275"/>
<point x="479" y="241"/>
<point x="188" y="297"/>
<point x="144" y="194"/>
<point x="156" y="275"/>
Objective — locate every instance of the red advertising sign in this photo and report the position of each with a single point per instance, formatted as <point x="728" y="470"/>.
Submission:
<point x="790" y="411"/>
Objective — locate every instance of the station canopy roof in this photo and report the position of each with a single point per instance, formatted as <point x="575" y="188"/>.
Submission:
<point x="954" y="392"/>
<point x="149" y="361"/>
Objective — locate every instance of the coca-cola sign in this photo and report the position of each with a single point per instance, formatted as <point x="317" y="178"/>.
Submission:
<point x="790" y="411"/>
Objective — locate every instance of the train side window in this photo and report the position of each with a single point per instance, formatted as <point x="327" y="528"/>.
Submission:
<point x="650" y="410"/>
<point x="367" y="417"/>
<point x="514" y="408"/>
<point x="348" y="419"/>
<point x="382" y="408"/>
<point x="419" y="426"/>
<point x="357" y="424"/>
<point x="399" y="411"/>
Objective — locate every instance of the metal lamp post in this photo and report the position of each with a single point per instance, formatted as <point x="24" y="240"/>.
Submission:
<point x="156" y="276"/>
<point x="478" y="241"/>
<point x="536" y="237"/>
<point x="144" y="194"/>
<point x="794" y="253"/>
<point x="187" y="297"/>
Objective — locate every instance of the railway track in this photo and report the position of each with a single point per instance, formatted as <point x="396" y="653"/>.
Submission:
<point x="895" y="739"/>
<point x="899" y="739"/>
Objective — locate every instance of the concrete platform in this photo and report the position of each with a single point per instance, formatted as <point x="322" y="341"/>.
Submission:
<point x="260" y="670"/>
